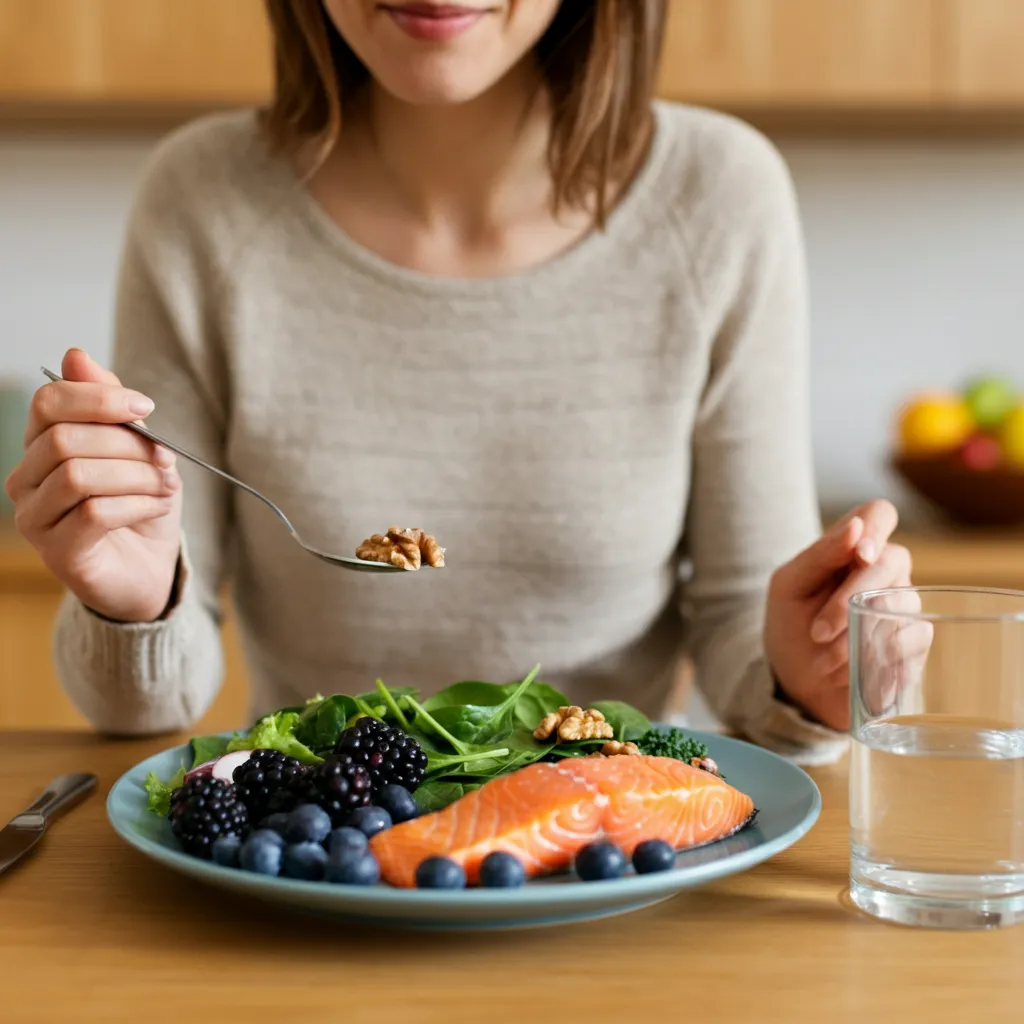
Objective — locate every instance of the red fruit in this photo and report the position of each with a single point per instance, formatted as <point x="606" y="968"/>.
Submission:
<point x="981" y="452"/>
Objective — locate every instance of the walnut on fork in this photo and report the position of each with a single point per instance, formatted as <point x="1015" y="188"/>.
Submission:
<point x="403" y="548"/>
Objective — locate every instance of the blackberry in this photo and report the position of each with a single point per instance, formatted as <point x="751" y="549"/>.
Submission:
<point x="336" y="786"/>
<point x="390" y="756"/>
<point x="266" y="782"/>
<point x="203" y="810"/>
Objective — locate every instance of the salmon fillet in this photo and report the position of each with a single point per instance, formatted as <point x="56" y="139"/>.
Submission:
<point x="541" y="814"/>
<point x="546" y="813"/>
<point x="662" y="798"/>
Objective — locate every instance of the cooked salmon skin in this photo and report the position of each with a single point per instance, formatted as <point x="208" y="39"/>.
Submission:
<point x="542" y="814"/>
<point x="662" y="798"/>
<point x="546" y="813"/>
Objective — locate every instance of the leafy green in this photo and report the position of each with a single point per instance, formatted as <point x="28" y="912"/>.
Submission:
<point x="628" y="723"/>
<point x="671" y="743"/>
<point x="275" y="732"/>
<point x="438" y="794"/>
<point x="477" y="762"/>
<point x="321" y="724"/>
<point x="159" y="799"/>
<point x="207" y="748"/>
<point x="537" y="702"/>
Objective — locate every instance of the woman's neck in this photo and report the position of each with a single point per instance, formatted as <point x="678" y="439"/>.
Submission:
<point x="466" y="164"/>
<point x="459" y="190"/>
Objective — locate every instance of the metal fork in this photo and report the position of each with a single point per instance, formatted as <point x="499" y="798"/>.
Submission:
<point x="355" y="564"/>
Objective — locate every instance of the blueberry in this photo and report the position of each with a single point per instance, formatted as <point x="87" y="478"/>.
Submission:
<point x="500" y="870"/>
<point x="276" y="822"/>
<point x="369" y="820"/>
<point x="346" y="839"/>
<point x="261" y="853"/>
<point x="398" y="802"/>
<point x="225" y="851"/>
<point x="598" y="861"/>
<point x="305" y="861"/>
<point x="308" y="824"/>
<point x="653" y="855"/>
<point x="352" y="867"/>
<point x="440" y="873"/>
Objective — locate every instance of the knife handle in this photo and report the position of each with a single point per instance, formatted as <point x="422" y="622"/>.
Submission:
<point x="64" y="792"/>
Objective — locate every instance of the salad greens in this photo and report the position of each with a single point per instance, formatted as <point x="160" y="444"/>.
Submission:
<point x="159" y="801"/>
<point x="470" y="731"/>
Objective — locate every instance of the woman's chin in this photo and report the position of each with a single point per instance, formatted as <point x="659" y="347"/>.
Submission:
<point x="432" y="84"/>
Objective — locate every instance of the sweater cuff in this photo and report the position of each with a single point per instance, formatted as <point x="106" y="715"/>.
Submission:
<point x="780" y="726"/>
<point x="118" y="674"/>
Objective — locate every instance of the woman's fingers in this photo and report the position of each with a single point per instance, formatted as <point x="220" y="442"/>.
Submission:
<point x="65" y="441"/>
<point x="77" y="480"/>
<point x="79" y="365"/>
<point x="94" y="518"/>
<point x="816" y="565"/>
<point x="890" y="569"/>
<point x="74" y="402"/>
<point x="880" y="522"/>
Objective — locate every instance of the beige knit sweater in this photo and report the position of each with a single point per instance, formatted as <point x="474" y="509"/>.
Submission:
<point x="614" y="447"/>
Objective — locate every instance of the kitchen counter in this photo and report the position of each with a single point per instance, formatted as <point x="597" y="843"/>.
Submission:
<point x="91" y="931"/>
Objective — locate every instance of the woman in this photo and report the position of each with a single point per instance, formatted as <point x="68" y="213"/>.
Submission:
<point x="462" y="274"/>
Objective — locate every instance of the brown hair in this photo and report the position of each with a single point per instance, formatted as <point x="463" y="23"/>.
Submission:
<point x="599" y="59"/>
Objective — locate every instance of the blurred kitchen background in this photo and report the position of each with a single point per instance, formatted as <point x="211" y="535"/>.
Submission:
<point x="902" y="122"/>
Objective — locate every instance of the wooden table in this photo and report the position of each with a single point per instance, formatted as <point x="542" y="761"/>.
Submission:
<point x="90" y="931"/>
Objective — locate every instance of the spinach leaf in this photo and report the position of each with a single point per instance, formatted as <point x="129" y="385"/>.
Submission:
<point x="207" y="748"/>
<point x="275" y="732"/>
<point x="479" y="724"/>
<point x="628" y="723"/>
<point x="321" y="724"/>
<point x="477" y="762"/>
<point x="436" y="795"/>
<point x="459" y="694"/>
<point x="538" y="700"/>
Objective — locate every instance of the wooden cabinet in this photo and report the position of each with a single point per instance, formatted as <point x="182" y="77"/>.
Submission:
<point x="800" y="53"/>
<point x="980" y="44"/>
<point x="912" y="57"/>
<point x="131" y="52"/>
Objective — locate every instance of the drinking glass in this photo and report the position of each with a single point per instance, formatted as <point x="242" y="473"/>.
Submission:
<point x="937" y="761"/>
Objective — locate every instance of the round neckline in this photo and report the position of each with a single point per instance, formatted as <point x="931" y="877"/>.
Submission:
<point x="584" y="253"/>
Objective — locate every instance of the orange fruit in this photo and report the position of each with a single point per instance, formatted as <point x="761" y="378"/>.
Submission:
<point x="1011" y="437"/>
<point x="932" y="424"/>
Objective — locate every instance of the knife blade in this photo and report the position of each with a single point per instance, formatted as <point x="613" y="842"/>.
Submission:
<point x="24" y="830"/>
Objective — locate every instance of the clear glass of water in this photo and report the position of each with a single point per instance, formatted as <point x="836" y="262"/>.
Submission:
<point x="937" y="761"/>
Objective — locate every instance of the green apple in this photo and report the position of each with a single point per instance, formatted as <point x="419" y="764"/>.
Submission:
<point x="990" y="400"/>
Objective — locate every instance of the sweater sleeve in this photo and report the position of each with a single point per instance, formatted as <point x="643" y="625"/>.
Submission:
<point x="753" y="502"/>
<point x="156" y="677"/>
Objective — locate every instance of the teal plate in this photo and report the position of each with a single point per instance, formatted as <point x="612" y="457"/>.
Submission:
<point x="787" y="799"/>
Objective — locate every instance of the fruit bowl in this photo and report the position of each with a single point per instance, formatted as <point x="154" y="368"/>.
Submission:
<point x="973" y="497"/>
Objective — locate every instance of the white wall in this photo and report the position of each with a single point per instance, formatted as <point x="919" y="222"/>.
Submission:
<point x="916" y="255"/>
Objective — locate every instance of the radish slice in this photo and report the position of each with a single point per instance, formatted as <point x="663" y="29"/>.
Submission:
<point x="206" y="768"/>
<point x="224" y="767"/>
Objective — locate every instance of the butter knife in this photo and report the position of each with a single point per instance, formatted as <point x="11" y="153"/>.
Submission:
<point x="26" y="829"/>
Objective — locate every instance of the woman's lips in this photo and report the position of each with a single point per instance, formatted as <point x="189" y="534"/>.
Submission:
<point x="434" y="23"/>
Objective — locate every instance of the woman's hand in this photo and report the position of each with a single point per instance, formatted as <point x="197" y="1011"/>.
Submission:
<point x="806" y="623"/>
<point x="99" y="503"/>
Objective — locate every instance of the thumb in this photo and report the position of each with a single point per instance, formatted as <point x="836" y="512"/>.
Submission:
<point x="80" y="366"/>
<point x="815" y="566"/>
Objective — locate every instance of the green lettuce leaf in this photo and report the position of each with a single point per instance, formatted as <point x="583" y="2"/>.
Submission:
<point x="275" y="732"/>
<point x="628" y="723"/>
<point x="207" y="748"/>
<point x="437" y="795"/>
<point x="159" y="801"/>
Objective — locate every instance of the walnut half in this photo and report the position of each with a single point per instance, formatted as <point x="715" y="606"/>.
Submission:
<point x="573" y="723"/>
<point x="403" y="548"/>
